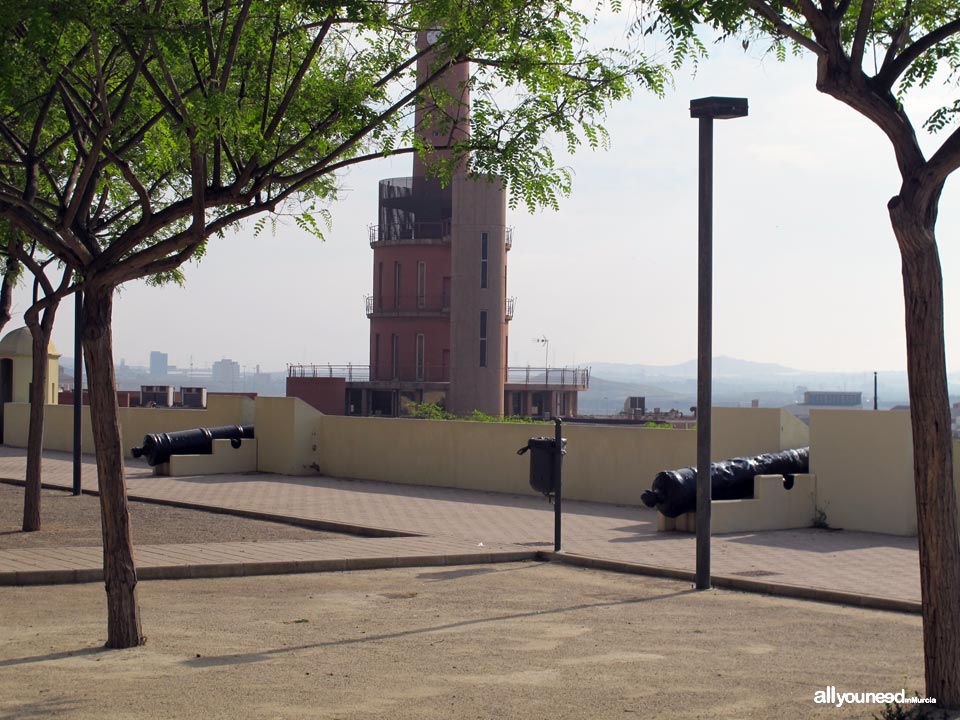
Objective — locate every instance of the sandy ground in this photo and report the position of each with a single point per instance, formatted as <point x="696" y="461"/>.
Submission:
<point x="67" y="520"/>
<point x="525" y="640"/>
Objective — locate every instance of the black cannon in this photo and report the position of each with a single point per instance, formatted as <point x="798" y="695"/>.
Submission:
<point x="158" y="447"/>
<point x="674" y="492"/>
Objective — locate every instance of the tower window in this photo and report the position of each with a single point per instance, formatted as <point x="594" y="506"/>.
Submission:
<point x="421" y="284"/>
<point x="483" y="338"/>
<point x="396" y="286"/>
<point x="484" y="243"/>
<point x="380" y="286"/>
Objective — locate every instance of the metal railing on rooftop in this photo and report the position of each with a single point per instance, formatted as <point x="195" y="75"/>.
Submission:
<point x="409" y="232"/>
<point x="552" y="376"/>
<point x="576" y="377"/>
<point x="352" y="373"/>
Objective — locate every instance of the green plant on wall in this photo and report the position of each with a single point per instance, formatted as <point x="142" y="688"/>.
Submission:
<point x="436" y="411"/>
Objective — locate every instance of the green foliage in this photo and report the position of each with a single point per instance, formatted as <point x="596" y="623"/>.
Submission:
<point x="660" y="426"/>
<point x="429" y="411"/>
<point x="435" y="411"/>
<point x="128" y="136"/>
<point x="888" y="48"/>
<point x="478" y="416"/>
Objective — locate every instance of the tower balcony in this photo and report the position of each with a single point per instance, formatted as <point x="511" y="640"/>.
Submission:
<point x="414" y="233"/>
<point x="421" y="233"/>
<point x="508" y="314"/>
<point x="422" y="306"/>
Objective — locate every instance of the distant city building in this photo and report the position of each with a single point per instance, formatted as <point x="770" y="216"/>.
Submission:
<point x="225" y="373"/>
<point x="193" y="397"/>
<point x="832" y="398"/>
<point x="156" y="396"/>
<point x="158" y="363"/>
<point x="635" y="405"/>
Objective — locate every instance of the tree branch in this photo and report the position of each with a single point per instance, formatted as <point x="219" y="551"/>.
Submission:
<point x="353" y="139"/>
<point x="234" y="41"/>
<point x="945" y="160"/>
<point x="297" y="79"/>
<point x="894" y="67"/>
<point x="860" y="36"/>
<point x="785" y="28"/>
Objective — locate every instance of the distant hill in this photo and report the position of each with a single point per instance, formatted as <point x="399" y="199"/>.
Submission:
<point x="722" y="366"/>
<point x="735" y="382"/>
<point x="605" y="397"/>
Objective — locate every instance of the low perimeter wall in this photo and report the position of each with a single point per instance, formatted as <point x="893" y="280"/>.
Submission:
<point x="134" y="422"/>
<point x="862" y="461"/>
<point x="603" y="463"/>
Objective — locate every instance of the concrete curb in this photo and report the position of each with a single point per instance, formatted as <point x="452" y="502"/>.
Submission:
<point x="279" y="567"/>
<point x="313" y="524"/>
<point x="729" y="582"/>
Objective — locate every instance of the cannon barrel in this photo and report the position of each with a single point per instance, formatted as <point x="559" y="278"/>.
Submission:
<point x="158" y="447"/>
<point x="674" y="492"/>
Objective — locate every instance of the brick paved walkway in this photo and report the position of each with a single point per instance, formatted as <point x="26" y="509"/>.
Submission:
<point x="454" y="523"/>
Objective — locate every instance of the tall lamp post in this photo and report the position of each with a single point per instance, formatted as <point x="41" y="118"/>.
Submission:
<point x="77" y="390"/>
<point x="706" y="110"/>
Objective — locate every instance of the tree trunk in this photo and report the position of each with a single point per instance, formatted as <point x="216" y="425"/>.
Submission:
<point x="937" y="529"/>
<point x="119" y="571"/>
<point x="10" y="275"/>
<point x="38" y="399"/>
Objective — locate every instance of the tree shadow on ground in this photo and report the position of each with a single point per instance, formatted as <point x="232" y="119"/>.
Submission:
<point x="263" y="655"/>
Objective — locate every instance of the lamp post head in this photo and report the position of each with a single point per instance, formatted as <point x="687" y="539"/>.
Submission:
<point x="718" y="108"/>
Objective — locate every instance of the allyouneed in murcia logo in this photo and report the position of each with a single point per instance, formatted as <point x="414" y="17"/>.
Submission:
<point x="832" y="696"/>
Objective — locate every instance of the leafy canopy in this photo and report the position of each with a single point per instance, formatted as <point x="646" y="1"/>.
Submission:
<point x="131" y="132"/>
<point x="871" y="53"/>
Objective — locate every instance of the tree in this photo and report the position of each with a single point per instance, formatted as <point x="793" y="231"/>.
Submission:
<point x="870" y="55"/>
<point x="11" y="274"/>
<point x="39" y="319"/>
<point x="130" y="133"/>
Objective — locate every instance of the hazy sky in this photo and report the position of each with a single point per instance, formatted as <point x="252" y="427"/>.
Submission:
<point x="807" y="271"/>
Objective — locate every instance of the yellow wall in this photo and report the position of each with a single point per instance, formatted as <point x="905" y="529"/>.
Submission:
<point x="863" y="461"/>
<point x="23" y="376"/>
<point x="134" y="422"/>
<point x="224" y="459"/>
<point x="603" y="464"/>
<point x="287" y="430"/>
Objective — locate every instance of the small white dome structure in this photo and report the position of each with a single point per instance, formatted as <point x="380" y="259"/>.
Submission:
<point x="19" y="343"/>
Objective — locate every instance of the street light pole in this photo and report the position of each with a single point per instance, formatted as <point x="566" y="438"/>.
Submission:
<point x="77" y="389"/>
<point x="706" y="110"/>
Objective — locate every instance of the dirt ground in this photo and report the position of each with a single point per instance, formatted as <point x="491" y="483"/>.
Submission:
<point x="68" y="520"/>
<point x="525" y="640"/>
